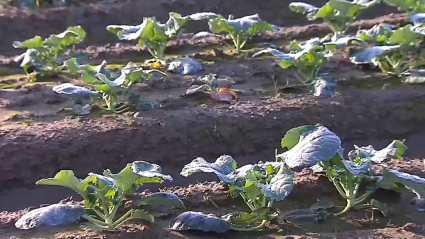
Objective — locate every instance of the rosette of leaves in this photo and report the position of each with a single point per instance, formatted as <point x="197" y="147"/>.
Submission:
<point x="240" y="29"/>
<point x="104" y="194"/>
<point x="48" y="55"/>
<point x="259" y="185"/>
<point x="337" y="14"/>
<point x="305" y="60"/>
<point x="311" y="145"/>
<point x="107" y="86"/>
<point x="155" y="35"/>
<point x="217" y="88"/>
<point x="395" y="52"/>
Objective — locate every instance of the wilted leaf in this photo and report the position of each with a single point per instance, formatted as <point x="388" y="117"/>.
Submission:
<point x="199" y="221"/>
<point x="82" y="109"/>
<point x="223" y="167"/>
<point x="324" y="85"/>
<point x="368" y="55"/>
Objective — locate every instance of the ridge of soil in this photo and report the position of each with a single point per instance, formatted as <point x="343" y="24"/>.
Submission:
<point x="111" y="141"/>
<point x="20" y="24"/>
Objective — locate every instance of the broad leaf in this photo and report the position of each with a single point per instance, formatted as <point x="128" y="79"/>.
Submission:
<point x="316" y="144"/>
<point x="161" y="199"/>
<point x="391" y="178"/>
<point x="403" y="36"/>
<point x="67" y="179"/>
<point x="140" y="214"/>
<point x="223" y="167"/>
<point x="417" y="17"/>
<point x="70" y="89"/>
<point x="137" y="173"/>
<point x="358" y="168"/>
<point x="368" y="55"/>
<point x="301" y="7"/>
<point x="250" y="24"/>
<point x="377" y="34"/>
<point x="395" y="150"/>
<point x="292" y="137"/>
<point x="35" y="42"/>
<point x="199" y="221"/>
<point x="280" y="185"/>
<point x="341" y="41"/>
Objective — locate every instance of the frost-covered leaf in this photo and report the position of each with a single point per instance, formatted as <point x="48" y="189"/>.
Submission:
<point x="415" y="184"/>
<point x="378" y="33"/>
<point x="184" y="66"/>
<point x="202" y="16"/>
<point x="199" y="221"/>
<point x="301" y="7"/>
<point x="82" y="109"/>
<point x="394" y="150"/>
<point x="137" y="173"/>
<point x="368" y="55"/>
<point x="53" y="215"/>
<point x="316" y="144"/>
<point x="223" y="167"/>
<point x="341" y="41"/>
<point x="251" y="24"/>
<point x="417" y="17"/>
<point x="280" y="185"/>
<point x="161" y="199"/>
<point x="324" y="85"/>
<point x="357" y="169"/>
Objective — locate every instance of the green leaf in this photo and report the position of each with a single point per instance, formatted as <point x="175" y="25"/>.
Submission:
<point x="63" y="39"/>
<point x="244" y="218"/>
<point x="137" y="173"/>
<point x="79" y="30"/>
<point x="316" y="144"/>
<point x="35" y="42"/>
<point x="403" y="36"/>
<point x="292" y="137"/>
<point x="161" y="199"/>
<point x="66" y="178"/>
<point x="407" y="5"/>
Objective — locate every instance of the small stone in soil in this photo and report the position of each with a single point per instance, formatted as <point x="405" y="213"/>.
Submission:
<point x="53" y="215"/>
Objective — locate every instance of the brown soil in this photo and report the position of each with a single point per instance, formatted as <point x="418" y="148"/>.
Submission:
<point x="24" y="24"/>
<point x="38" y="136"/>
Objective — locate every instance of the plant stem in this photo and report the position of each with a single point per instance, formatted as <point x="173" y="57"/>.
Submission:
<point x="339" y="188"/>
<point x="122" y="219"/>
<point x="249" y="229"/>
<point x="347" y="207"/>
<point x="94" y="221"/>
<point x="247" y="203"/>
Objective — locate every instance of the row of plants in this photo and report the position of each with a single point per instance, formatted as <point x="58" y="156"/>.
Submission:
<point x="258" y="185"/>
<point x="396" y="51"/>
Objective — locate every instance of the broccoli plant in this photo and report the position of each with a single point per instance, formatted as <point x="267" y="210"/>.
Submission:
<point x="346" y="175"/>
<point x="107" y="86"/>
<point x="258" y="185"/>
<point x="337" y="14"/>
<point x="155" y="35"/>
<point x="104" y="194"/>
<point x="395" y="50"/>
<point x="305" y="60"/>
<point x="240" y="29"/>
<point x="48" y="55"/>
